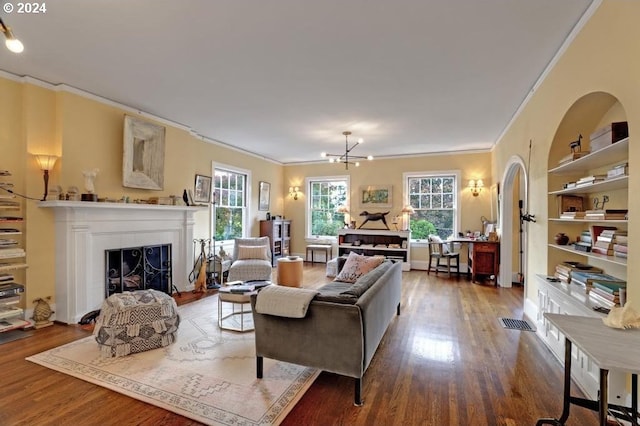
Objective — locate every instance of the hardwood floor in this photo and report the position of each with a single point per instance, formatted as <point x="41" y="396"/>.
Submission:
<point x="444" y="361"/>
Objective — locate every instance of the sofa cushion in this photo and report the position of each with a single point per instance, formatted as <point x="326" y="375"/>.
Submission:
<point x="363" y="283"/>
<point x="356" y="266"/>
<point x="252" y="252"/>
<point x="332" y="292"/>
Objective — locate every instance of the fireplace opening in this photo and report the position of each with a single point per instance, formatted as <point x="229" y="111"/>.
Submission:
<point x="138" y="268"/>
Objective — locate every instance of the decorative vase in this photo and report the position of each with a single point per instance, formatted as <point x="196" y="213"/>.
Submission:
<point x="562" y="239"/>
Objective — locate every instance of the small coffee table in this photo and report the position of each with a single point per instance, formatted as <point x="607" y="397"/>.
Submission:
<point x="238" y="319"/>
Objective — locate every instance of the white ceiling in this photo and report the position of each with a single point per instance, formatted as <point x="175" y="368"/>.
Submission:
<point x="284" y="78"/>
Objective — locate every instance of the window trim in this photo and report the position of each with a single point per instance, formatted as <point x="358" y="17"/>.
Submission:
<point x="307" y="184"/>
<point x="246" y="210"/>
<point x="405" y="191"/>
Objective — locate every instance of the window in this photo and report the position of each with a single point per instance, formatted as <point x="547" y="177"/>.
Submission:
<point x="326" y="194"/>
<point x="230" y="188"/>
<point x="434" y="197"/>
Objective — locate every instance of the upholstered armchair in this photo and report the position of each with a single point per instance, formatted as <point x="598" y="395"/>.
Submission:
<point x="251" y="260"/>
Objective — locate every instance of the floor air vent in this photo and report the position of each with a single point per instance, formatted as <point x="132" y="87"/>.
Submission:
<point x="516" y="324"/>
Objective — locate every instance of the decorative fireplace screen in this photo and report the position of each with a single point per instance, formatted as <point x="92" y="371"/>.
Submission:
<point x="139" y="268"/>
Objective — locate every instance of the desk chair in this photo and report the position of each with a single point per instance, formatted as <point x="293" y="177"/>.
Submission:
<point x="439" y="250"/>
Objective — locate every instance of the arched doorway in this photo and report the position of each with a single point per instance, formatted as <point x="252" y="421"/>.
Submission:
<point x="513" y="242"/>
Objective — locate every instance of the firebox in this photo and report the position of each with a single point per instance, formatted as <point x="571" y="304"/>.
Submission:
<point x="138" y="268"/>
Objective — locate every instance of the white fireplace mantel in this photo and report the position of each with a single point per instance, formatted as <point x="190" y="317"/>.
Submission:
<point x="84" y="230"/>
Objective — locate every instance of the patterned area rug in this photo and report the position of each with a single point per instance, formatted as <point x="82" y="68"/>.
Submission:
<point x="208" y="374"/>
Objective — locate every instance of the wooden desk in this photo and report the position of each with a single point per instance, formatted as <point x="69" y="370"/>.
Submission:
<point x="483" y="257"/>
<point x="610" y="349"/>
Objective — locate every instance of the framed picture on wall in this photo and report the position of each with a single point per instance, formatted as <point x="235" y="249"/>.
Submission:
<point x="376" y="196"/>
<point x="202" y="189"/>
<point x="264" y="192"/>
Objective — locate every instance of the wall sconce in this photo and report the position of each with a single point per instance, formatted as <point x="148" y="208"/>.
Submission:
<point x="475" y="186"/>
<point x="293" y="192"/>
<point x="406" y="211"/>
<point x="46" y="163"/>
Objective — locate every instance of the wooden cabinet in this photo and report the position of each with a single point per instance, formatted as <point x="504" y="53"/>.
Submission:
<point x="484" y="257"/>
<point x="279" y="233"/>
<point x="12" y="260"/>
<point x="394" y="245"/>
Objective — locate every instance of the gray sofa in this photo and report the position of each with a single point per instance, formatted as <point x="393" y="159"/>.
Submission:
<point x="342" y="329"/>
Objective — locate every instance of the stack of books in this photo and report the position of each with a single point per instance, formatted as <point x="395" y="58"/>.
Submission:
<point x="572" y="215"/>
<point x="606" y="239"/>
<point x="606" y="294"/>
<point x="584" y="242"/>
<point x="608" y="214"/>
<point x="565" y="269"/>
<point x="589" y="180"/>
<point x="619" y="170"/>
<point x="620" y="247"/>
<point x="6" y="253"/>
<point x="585" y="279"/>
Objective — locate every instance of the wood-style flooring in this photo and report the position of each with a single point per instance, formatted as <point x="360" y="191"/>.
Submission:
<point x="444" y="361"/>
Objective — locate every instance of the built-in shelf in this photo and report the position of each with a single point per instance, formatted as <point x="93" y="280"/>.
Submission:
<point x="615" y="153"/>
<point x="611" y="259"/>
<point x="611" y="221"/>
<point x="612" y="184"/>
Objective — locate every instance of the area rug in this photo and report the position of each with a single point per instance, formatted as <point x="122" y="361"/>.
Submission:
<point x="208" y="374"/>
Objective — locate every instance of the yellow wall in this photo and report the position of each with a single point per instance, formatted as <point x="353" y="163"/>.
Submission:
<point x="389" y="172"/>
<point x="587" y="66"/>
<point x="88" y="133"/>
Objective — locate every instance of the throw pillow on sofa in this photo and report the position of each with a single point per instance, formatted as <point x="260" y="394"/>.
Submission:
<point x="252" y="252"/>
<point x="356" y="266"/>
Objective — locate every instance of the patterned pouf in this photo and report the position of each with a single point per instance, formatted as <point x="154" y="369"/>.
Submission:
<point x="136" y="321"/>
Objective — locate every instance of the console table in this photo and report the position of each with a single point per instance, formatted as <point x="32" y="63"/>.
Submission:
<point x="610" y="349"/>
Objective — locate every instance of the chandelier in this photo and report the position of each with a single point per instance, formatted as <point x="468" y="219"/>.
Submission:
<point x="346" y="157"/>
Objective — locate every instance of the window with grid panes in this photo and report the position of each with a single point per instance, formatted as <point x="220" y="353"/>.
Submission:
<point x="435" y="201"/>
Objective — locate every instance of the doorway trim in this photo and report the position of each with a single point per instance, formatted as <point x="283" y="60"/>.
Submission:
<point x="514" y="165"/>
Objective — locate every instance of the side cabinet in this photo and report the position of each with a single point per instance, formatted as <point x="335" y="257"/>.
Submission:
<point x="279" y="233"/>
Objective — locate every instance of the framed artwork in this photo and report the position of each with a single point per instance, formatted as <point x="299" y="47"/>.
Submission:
<point x="143" y="154"/>
<point x="202" y="189"/>
<point x="376" y="196"/>
<point x="265" y="194"/>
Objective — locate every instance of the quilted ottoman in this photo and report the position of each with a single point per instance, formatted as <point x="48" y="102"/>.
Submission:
<point x="136" y="321"/>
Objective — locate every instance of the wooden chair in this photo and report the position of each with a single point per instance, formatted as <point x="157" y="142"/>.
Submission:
<point x="439" y="251"/>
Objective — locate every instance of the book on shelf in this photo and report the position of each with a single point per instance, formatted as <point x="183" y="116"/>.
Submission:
<point x="622" y="248"/>
<point x="614" y="298"/>
<point x="11" y="289"/>
<point x="8" y="311"/>
<point x="596" y="230"/>
<point x="620" y="254"/>
<point x="585" y="237"/>
<point x="572" y="215"/>
<point x="7" y="324"/>
<point x="570" y="266"/>
<point x="622" y="239"/>
<point x="11" y="252"/>
<point x="619" y="170"/>
<point x="6" y="277"/>
<point x="585" y="278"/>
<point x="600" y="250"/>
<point x="582" y="246"/>
<point x="599" y="300"/>
<point x="608" y="286"/>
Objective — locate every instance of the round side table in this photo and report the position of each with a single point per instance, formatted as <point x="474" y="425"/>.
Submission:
<point x="290" y="272"/>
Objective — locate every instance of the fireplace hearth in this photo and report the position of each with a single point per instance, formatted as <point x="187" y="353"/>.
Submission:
<point x="138" y="268"/>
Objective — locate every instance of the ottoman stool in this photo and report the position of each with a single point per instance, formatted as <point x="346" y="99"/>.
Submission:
<point x="136" y="321"/>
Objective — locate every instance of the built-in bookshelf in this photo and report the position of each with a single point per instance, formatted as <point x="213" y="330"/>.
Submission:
<point x="12" y="259"/>
<point x="394" y="245"/>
